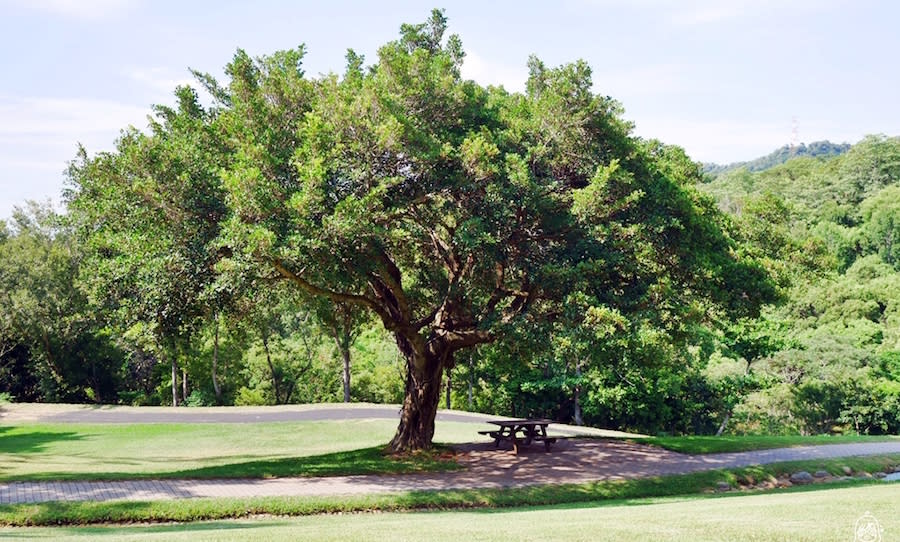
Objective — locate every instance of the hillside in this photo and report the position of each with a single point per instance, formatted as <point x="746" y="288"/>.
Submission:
<point x="817" y="149"/>
<point x="827" y="228"/>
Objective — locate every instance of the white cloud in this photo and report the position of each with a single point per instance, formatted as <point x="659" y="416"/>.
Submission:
<point x="486" y="72"/>
<point x="39" y="136"/>
<point x="159" y="80"/>
<point x="79" y="9"/>
<point x="707" y="12"/>
<point x="67" y="118"/>
<point x="731" y="140"/>
<point x="15" y="163"/>
<point x="645" y="80"/>
<point x="711" y="12"/>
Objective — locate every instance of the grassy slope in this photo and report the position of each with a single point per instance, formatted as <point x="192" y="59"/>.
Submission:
<point x="824" y="515"/>
<point x="111" y="451"/>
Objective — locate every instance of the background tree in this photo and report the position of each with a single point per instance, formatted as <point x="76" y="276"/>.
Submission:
<point x="149" y="214"/>
<point x="52" y="347"/>
<point x="344" y="322"/>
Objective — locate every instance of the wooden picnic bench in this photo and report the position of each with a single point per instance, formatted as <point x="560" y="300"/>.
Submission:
<point x="521" y="432"/>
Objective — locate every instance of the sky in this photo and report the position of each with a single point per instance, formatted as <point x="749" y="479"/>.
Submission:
<point x="727" y="80"/>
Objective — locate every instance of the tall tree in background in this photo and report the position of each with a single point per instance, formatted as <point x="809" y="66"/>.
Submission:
<point x="149" y="214"/>
<point x="343" y="322"/>
<point x="453" y="212"/>
<point x="52" y="347"/>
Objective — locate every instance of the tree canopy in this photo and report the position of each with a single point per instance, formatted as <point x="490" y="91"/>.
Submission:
<point x="459" y="215"/>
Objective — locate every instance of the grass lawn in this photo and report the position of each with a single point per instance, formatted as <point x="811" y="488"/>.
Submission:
<point x="207" y="450"/>
<point x="39" y="451"/>
<point x="712" y="444"/>
<point x="819" y="515"/>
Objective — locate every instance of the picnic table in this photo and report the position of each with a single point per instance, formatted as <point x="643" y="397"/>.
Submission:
<point x="521" y="432"/>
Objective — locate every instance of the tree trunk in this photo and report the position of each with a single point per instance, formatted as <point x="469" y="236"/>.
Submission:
<point x="51" y="363"/>
<point x="342" y="340"/>
<point x="215" y="360"/>
<point x="579" y="419"/>
<point x="471" y="381"/>
<point x="174" y="381"/>
<point x="449" y="387"/>
<point x="345" y="353"/>
<point x="730" y="412"/>
<point x="95" y="383"/>
<point x="265" y="341"/>
<point x="184" y="385"/>
<point x="423" y="394"/>
<point x="723" y="425"/>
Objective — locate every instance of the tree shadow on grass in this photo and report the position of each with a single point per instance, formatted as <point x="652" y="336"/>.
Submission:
<point x="32" y="441"/>
<point x="117" y="531"/>
<point x="353" y="462"/>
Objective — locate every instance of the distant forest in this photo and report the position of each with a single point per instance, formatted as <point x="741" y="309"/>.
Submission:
<point x="828" y="357"/>
<point x="816" y="149"/>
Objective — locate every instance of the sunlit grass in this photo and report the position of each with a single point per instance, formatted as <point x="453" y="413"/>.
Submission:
<point x="809" y="515"/>
<point x="115" y="451"/>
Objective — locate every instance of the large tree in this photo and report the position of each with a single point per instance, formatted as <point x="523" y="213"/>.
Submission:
<point x="457" y="213"/>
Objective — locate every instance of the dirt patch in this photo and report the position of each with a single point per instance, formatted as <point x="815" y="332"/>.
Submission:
<point x="569" y="460"/>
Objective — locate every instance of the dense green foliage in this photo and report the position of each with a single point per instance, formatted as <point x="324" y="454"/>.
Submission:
<point x="824" y="360"/>
<point x="52" y="346"/>
<point x="56" y="345"/>
<point x="829" y="230"/>
<point x="523" y="250"/>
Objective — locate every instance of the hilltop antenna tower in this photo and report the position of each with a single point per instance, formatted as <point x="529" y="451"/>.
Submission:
<point x="795" y="134"/>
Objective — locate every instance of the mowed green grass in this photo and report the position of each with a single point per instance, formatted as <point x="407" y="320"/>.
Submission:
<point x="207" y="450"/>
<point x="821" y="515"/>
<point x="722" y="444"/>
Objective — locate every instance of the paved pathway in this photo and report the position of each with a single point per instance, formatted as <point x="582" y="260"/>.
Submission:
<point x="571" y="461"/>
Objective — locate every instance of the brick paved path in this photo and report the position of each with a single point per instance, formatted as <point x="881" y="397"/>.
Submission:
<point x="571" y="461"/>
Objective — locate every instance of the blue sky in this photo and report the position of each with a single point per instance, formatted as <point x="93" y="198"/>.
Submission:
<point x="721" y="78"/>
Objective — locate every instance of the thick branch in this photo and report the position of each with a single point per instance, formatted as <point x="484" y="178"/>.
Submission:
<point x="497" y="294"/>
<point x="390" y="278"/>
<point x="456" y="340"/>
<point x="419" y="324"/>
<point x="336" y="297"/>
<point x="442" y="250"/>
